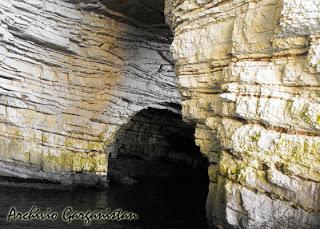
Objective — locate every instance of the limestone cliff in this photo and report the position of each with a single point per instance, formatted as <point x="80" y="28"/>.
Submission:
<point x="72" y="72"/>
<point x="249" y="74"/>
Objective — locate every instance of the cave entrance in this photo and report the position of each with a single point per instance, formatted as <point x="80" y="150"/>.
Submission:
<point x="155" y="153"/>
<point x="156" y="145"/>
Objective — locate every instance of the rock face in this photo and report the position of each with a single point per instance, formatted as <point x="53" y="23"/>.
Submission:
<point x="249" y="75"/>
<point x="71" y="73"/>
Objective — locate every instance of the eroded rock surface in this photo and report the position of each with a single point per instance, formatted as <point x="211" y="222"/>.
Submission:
<point x="71" y="73"/>
<point x="248" y="72"/>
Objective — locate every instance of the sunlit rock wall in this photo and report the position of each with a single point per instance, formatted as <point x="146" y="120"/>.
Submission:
<point x="72" y="72"/>
<point x="249" y="74"/>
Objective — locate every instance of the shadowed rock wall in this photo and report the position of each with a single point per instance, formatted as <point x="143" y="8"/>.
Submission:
<point x="248" y="72"/>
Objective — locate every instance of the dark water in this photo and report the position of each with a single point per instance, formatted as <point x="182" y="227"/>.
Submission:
<point x="167" y="205"/>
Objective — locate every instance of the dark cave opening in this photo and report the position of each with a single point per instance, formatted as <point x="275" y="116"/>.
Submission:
<point x="154" y="155"/>
<point x="155" y="159"/>
<point x="156" y="145"/>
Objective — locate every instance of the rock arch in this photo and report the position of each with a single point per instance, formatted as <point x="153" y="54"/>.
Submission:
<point x="73" y="73"/>
<point x="155" y="144"/>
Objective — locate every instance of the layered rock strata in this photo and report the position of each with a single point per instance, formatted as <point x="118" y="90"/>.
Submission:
<point x="71" y="73"/>
<point x="249" y="75"/>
